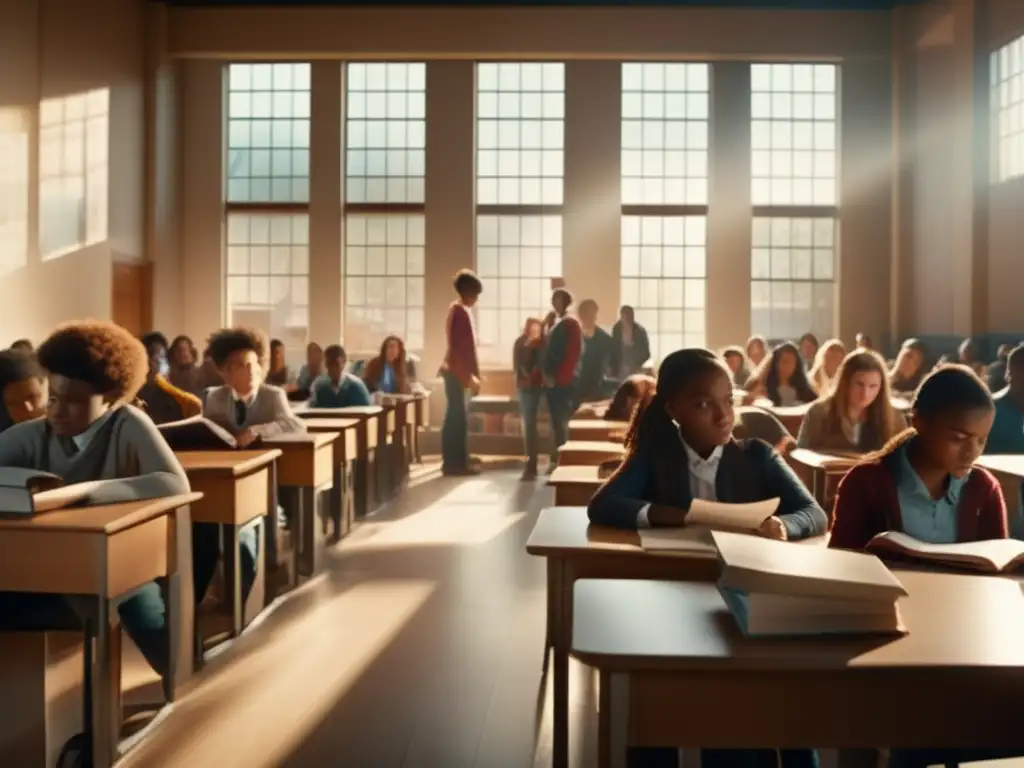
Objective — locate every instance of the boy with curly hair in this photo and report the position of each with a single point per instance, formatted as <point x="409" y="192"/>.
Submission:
<point x="92" y="433"/>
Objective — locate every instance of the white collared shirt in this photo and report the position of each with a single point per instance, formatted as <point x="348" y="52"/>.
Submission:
<point x="702" y="473"/>
<point x="246" y="401"/>
<point x="83" y="439"/>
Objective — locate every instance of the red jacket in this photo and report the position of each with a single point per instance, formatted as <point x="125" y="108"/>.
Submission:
<point x="460" y="358"/>
<point x="867" y="503"/>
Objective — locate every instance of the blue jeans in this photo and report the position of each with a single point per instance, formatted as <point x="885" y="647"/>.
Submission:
<point x="143" y="617"/>
<point x="206" y="554"/>
<point x="455" y="431"/>
<point x="668" y="757"/>
<point x="529" y="404"/>
<point x="560" y="400"/>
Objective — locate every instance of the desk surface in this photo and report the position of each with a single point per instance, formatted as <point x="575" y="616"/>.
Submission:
<point x="567" y="530"/>
<point x="581" y="474"/>
<point x="321" y="424"/>
<point x="233" y="463"/>
<point x="593" y="446"/>
<point x="954" y="622"/>
<point x="1010" y="463"/>
<point x="351" y="412"/>
<point x="304" y="439"/>
<point x="105" y="519"/>
<point x="822" y="460"/>
<point x="598" y="425"/>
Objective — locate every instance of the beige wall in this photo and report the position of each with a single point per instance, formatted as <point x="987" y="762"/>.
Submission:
<point x="51" y="48"/>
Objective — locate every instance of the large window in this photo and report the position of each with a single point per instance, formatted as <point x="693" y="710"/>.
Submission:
<point x="267" y="184"/>
<point x="74" y="138"/>
<point x="385" y="166"/>
<point x="14" y="188"/>
<point x="794" y="191"/>
<point x="1008" y="110"/>
<point x="520" y="158"/>
<point x="665" y="110"/>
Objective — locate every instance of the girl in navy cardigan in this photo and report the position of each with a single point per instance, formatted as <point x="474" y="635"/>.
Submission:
<point x="688" y="424"/>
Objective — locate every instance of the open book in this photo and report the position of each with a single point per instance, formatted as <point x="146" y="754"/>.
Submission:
<point x="703" y="517"/>
<point x="994" y="556"/>
<point x="23" y="492"/>
<point x="774" y="588"/>
<point x="197" y="434"/>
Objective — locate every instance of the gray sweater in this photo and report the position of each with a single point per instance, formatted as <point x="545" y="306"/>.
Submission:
<point x="126" y="450"/>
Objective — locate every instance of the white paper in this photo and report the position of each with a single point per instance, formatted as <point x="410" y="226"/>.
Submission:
<point x="744" y="517"/>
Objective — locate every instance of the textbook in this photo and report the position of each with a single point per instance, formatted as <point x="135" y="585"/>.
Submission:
<point x="23" y="492"/>
<point x="703" y="517"/>
<point x="197" y="434"/>
<point x="775" y="588"/>
<point x="994" y="556"/>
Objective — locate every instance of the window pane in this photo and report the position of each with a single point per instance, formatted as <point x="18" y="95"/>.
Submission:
<point x="385" y="132"/>
<point x="793" y="286"/>
<point x="14" y="188"/>
<point x="516" y="258"/>
<point x="267" y="271"/>
<point x="665" y="133"/>
<point x="268" y="133"/>
<point x="663" y="268"/>
<point x="793" y="134"/>
<point x="74" y="137"/>
<point x="520" y="116"/>
<point x="384" y="279"/>
<point x="1008" y="110"/>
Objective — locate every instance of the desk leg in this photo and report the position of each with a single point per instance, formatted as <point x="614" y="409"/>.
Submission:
<point x="309" y="534"/>
<point x="233" y="578"/>
<point x="180" y="608"/>
<point x="299" y="526"/>
<point x="613" y="720"/>
<point x="273" y="526"/>
<point x="103" y="738"/>
<point x="348" y="493"/>
<point x="559" y="628"/>
<point x="372" y="470"/>
<point x="338" y="503"/>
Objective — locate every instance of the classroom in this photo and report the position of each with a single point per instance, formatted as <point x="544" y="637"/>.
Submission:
<point x="414" y="384"/>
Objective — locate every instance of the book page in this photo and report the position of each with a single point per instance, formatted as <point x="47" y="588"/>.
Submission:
<point x="1000" y="553"/>
<point x="744" y="517"/>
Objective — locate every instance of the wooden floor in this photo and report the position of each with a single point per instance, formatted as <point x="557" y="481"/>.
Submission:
<point x="422" y="646"/>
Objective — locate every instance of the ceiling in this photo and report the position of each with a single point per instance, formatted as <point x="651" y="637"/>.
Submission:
<point x="798" y="4"/>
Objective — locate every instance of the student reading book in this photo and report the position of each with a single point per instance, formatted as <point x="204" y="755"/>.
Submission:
<point x="688" y="423"/>
<point x="924" y="482"/>
<point x="92" y="435"/>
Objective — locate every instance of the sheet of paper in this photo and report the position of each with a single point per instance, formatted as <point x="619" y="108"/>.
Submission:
<point x="746" y="517"/>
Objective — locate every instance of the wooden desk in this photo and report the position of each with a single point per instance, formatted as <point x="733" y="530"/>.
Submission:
<point x="575" y="549"/>
<point x="238" y="487"/>
<point x="597" y="430"/>
<point x="368" y="436"/>
<point x="346" y="451"/>
<point x="588" y="452"/>
<point x="823" y="470"/>
<point x="306" y="464"/>
<point x="657" y="641"/>
<point x="104" y="553"/>
<point x="574" y="485"/>
<point x="403" y="451"/>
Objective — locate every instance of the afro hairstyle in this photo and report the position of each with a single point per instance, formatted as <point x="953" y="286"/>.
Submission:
<point x="18" y="366"/>
<point x="103" y="355"/>
<point x="230" y="340"/>
<point x="467" y="283"/>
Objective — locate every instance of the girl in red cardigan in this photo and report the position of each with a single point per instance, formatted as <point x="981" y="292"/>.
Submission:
<point x="924" y="482"/>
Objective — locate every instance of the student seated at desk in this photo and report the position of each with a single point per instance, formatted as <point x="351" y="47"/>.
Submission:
<point x="277" y="374"/>
<point x="781" y="378"/>
<point x="924" y="482"/>
<point x="909" y="368"/>
<point x="757" y="350"/>
<point x="183" y="361"/>
<point x="688" y="423"/>
<point x="1007" y="434"/>
<point x="637" y="389"/>
<point x="337" y="388"/>
<point x="826" y="366"/>
<point x="22" y="345"/>
<point x="91" y="433"/>
<point x="387" y="372"/>
<point x="857" y="417"/>
<point x="23" y="386"/>
<point x="808" y="346"/>
<point x="737" y="362"/>
<point x="312" y="370"/>
<point x="163" y="401"/>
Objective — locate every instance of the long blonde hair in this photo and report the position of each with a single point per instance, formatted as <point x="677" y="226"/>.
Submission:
<point x="879" y="422"/>
<point x="818" y="374"/>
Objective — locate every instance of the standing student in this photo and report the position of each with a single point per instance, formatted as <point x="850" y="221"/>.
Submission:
<point x="826" y="365"/>
<point x="526" y="356"/>
<point x="388" y="371"/>
<point x="461" y="373"/>
<point x="23" y="386"/>
<point x="857" y="416"/>
<point x="737" y="362"/>
<point x="595" y="365"/>
<point x="312" y="369"/>
<point x="808" y="349"/>
<point x="278" y="372"/>
<point x="631" y="345"/>
<point x="781" y="378"/>
<point x="560" y="366"/>
<point x="757" y="350"/>
<point x="338" y="389"/>
<point x="924" y="482"/>
<point x="92" y="434"/>
<point x="909" y="369"/>
<point x="163" y="401"/>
